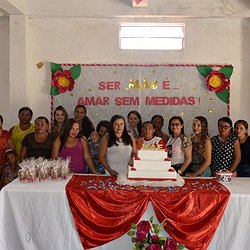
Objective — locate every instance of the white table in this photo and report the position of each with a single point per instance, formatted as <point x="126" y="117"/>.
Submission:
<point x="37" y="216"/>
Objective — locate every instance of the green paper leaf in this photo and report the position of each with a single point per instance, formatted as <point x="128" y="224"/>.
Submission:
<point x="180" y="247"/>
<point x="204" y="70"/>
<point x="227" y="71"/>
<point x="133" y="225"/>
<point x="162" y="239"/>
<point x="55" y="67"/>
<point x="75" y="71"/>
<point x="131" y="233"/>
<point x="54" y="91"/>
<point x="223" y="95"/>
<point x="151" y="219"/>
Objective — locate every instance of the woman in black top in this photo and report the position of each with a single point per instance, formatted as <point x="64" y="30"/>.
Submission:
<point x="86" y="124"/>
<point x="241" y="130"/>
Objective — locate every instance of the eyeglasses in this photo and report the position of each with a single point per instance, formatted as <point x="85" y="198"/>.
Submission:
<point x="224" y="127"/>
<point x="175" y="124"/>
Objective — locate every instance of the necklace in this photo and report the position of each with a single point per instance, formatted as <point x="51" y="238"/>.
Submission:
<point x="173" y="139"/>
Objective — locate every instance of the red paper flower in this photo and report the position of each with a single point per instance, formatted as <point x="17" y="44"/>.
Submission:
<point x="144" y="226"/>
<point x="63" y="81"/>
<point x="216" y="81"/>
<point x="145" y="235"/>
<point x="170" y="244"/>
<point x="140" y="236"/>
<point x="154" y="247"/>
<point x="154" y="238"/>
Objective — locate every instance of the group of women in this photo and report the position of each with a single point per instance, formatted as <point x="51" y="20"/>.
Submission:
<point x="200" y="155"/>
<point x="109" y="148"/>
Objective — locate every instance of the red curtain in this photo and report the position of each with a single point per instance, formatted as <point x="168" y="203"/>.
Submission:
<point x="103" y="214"/>
<point x="103" y="210"/>
<point x="193" y="214"/>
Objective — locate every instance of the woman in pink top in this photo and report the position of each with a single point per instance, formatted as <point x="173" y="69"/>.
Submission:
<point x="71" y="144"/>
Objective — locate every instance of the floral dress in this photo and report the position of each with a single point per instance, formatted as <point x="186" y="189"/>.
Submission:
<point x="94" y="152"/>
<point x="198" y="158"/>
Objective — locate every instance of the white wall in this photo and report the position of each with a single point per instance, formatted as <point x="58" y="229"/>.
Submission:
<point x="78" y="40"/>
<point x="4" y="69"/>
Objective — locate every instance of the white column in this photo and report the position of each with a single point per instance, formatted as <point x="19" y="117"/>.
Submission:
<point x="18" y="64"/>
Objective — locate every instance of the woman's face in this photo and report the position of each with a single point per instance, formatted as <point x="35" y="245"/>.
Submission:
<point x="25" y="117"/>
<point x="74" y="130"/>
<point x="158" y="123"/>
<point x="79" y="114"/>
<point x="197" y="128"/>
<point x="240" y="130"/>
<point x="118" y="126"/>
<point x="148" y="130"/>
<point x="133" y="120"/>
<point x="59" y="116"/>
<point x="176" y="126"/>
<point x="102" y="131"/>
<point x="224" y="129"/>
<point x="41" y="126"/>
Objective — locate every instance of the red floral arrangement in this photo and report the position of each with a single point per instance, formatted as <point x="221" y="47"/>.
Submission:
<point x="145" y="236"/>
<point x="217" y="80"/>
<point x="63" y="80"/>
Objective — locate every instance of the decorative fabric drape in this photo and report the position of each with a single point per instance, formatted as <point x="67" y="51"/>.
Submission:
<point x="103" y="210"/>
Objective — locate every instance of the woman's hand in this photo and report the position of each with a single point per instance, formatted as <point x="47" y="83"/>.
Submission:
<point x="234" y="174"/>
<point x="97" y="172"/>
<point x="190" y="174"/>
<point x="113" y="172"/>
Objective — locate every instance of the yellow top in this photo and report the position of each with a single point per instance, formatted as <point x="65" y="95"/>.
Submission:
<point x="18" y="135"/>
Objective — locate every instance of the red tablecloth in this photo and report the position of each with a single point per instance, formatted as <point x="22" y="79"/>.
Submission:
<point x="104" y="210"/>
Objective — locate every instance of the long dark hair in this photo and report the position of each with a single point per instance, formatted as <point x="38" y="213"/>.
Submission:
<point x="139" y="124"/>
<point x="87" y="126"/>
<point x="61" y="108"/>
<point x="175" y="118"/>
<point x="126" y="139"/>
<point x="103" y="123"/>
<point x="243" y="122"/>
<point x="65" y="134"/>
<point x="204" y="127"/>
<point x="227" y="120"/>
<point x="204" y="133"/>
<point x="158" y="116"/>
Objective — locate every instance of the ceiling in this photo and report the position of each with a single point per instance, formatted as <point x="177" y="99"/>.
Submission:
<point x="123" y="8"/>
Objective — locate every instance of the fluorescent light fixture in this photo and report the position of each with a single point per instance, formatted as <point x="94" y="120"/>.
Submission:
<point x="152" y="36"/>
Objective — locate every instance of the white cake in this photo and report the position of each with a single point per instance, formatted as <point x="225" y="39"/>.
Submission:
<point x="151" y="165"/>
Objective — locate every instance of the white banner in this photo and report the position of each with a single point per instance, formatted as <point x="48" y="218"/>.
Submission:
<point x="168" y="90"/>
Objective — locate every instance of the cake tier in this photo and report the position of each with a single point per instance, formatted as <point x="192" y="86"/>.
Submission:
<point x="152" y="165"/>
<point x="152" y="155"/>
<point x="151" y="174"/>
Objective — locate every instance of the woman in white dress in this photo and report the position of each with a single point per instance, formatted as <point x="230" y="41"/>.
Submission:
<point x="117" y="147"/>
